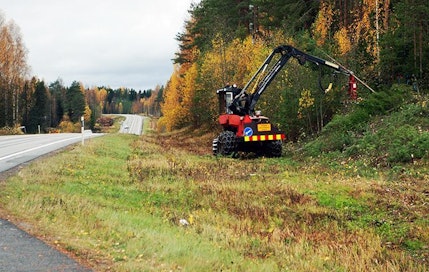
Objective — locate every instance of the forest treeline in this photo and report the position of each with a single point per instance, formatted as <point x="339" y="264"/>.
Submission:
<point x="41" y="108"/>
<point x="224" y="42"/>
<point x="60" y="108"/>
<point x="31" y="105"/>
<point x="384" y="42"/>
<point x="56" y="106"/>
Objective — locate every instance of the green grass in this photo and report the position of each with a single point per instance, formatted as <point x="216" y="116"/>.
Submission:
<point x="116" y="203"/>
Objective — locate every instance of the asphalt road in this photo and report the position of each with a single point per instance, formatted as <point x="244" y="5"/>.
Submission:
<point x="17" y="149"/>
<point x="133" y="124"/>
<point x="20" y="251"/>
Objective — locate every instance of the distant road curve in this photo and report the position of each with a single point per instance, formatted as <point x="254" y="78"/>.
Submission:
<point x="18" y="149"/>
<point x="133" y="124"/>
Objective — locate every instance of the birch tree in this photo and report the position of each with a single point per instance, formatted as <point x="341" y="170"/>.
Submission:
<point x="13" y="69"/>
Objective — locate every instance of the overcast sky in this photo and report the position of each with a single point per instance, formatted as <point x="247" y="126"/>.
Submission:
<point x="116" y="43"/>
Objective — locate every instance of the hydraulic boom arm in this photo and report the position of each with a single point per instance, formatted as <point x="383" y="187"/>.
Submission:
<point x="286" y="52"/>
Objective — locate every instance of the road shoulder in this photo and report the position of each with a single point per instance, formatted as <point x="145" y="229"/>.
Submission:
<point x="20" y="247"/>
<point x="20" y="251"/>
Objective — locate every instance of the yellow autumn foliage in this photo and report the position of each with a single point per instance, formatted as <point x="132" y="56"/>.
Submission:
<point x="227" y="63"/>
<point x="232" y="63"/>
<point x="305" y="102"/>
<point x="189" y="83"/>
<point x="343" y="41"/>
<point x="172" y="106"/>
<point x="323" y="23"/>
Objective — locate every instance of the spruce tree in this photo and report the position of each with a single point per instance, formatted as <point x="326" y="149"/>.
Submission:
<point x="75" y="102"/>
<point x="39" y="112"/>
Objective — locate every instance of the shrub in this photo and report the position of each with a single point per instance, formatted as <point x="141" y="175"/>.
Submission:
<point x="382" y="102"/>
<point x="67" y="126"/>
<point x="313" y="148"/>
<point x="352" y="121"/>
<point x="105" y="121"/>
<point x="407" y="144"/>
<point x="11" y="130"/>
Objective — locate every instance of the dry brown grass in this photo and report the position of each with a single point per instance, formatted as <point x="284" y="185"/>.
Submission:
<point x="269" y="210"/>
<point x="118" y="202"/>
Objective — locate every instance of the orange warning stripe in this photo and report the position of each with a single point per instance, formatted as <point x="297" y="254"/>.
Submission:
<point x="256" y="138"/>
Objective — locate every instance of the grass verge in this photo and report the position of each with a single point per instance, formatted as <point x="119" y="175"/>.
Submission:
<point x="117" y="204"/>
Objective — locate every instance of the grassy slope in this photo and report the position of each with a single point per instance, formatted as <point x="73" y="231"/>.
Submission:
<point x="385" y="130"/>
<point x="117" y="203"/>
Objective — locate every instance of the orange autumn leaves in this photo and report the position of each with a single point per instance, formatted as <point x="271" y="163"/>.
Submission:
<point x="190" y="94"/>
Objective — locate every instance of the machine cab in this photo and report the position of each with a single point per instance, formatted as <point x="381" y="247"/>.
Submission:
<point x="229" y="103"/>
<point x="226" y="96"/>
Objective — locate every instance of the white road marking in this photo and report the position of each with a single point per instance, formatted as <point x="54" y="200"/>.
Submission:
<point x="37" y="147"/>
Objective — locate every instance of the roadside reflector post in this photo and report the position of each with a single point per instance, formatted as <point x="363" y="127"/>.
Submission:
<point x="82" y="119"/>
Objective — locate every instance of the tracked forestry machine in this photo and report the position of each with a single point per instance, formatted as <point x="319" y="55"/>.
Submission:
<point x="244" y="128"/>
